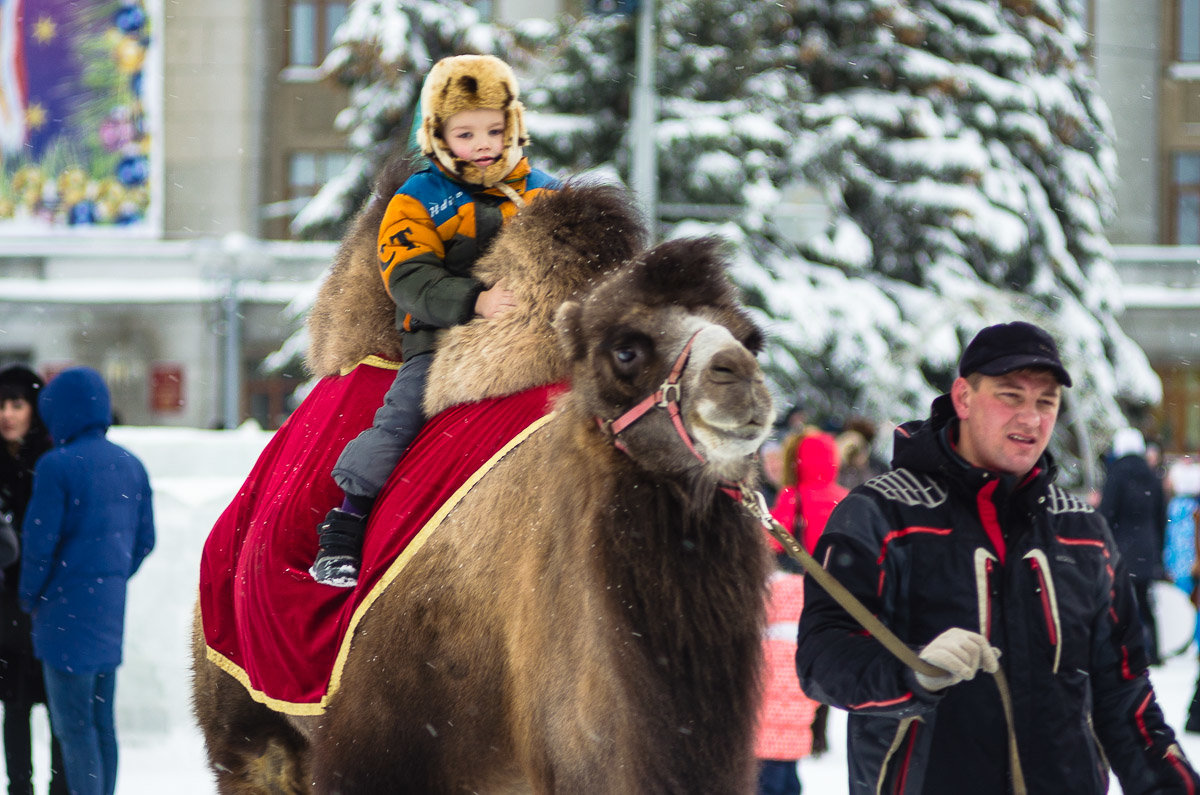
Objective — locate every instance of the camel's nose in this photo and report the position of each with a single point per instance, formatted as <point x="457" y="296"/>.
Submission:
<point x="733" y="364"/>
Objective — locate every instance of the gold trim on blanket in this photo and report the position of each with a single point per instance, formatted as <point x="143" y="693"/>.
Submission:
<point x="393" y="571"/>
<point x="372" y="361"/>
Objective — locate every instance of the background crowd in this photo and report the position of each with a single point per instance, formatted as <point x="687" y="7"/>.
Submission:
<point x="81" y="510"/>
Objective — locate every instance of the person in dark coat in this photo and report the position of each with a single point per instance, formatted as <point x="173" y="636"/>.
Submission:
<point x="23" y="439"/>
<point x="973" y="556"/>
<point x="1133" y="504"/>
<point x="88" y="527"/>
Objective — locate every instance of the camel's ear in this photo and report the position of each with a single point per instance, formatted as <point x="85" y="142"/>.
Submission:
<point x="569" y="327"/>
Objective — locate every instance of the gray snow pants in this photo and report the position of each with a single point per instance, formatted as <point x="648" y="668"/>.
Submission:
<point x="369" y="458"/>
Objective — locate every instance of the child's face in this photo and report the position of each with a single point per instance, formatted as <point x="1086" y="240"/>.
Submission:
<point x="476" y="135"/>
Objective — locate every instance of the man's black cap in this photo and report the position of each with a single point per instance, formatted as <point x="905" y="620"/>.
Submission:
<point x="1012" y="346"/>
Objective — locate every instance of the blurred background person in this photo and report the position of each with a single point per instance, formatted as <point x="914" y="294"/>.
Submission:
<point x="810" y="492"/>
<point x="810" y="489"/>
<point x="88" y="527"/>
<point x="1179" y="548"/>
<point x="1133" y="505"/>
<point x="858" y="460"/>
<point x="770" y="462"/>
<point x="786" y="715"/>
<point x="24" y="438"/>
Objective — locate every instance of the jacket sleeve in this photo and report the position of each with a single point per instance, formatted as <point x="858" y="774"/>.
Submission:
<point x="1140" y="746"/>
<point x="143" y="542"/>
<point x="41" y="530"/>
<point x="412" y="262"/>
<point x="837" y="662"/>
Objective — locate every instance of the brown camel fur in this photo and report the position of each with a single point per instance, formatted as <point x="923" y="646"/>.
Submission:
<point x="353" y="317"/>
<point x="588" y="617"/>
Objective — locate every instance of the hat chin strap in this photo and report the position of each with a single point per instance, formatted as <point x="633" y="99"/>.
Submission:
<point x="513" y="196"/>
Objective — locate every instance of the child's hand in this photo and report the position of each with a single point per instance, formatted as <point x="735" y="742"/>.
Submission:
<point x="495" y="302"/>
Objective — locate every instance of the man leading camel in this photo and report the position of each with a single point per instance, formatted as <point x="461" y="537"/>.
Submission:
<point x="970" y="553"/>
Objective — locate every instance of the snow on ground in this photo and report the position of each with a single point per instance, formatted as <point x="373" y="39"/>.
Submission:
<point x="195" y="474"/>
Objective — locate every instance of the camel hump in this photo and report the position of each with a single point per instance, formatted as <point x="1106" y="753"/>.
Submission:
<point x="553" y="251"/>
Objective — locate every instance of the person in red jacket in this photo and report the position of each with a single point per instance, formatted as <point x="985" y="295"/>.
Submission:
<point x="803" y="507"/>
<point x="785" y="717"/>
<point x="815" y="492"/>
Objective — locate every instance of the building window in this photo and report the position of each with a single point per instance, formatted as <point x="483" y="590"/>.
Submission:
<point x="308" y="171"/>
<point x="1187" y="36"/>
<point x="310" y="26"/>
<point x="1179" y="412"/>
<point x="1185" y="198"/>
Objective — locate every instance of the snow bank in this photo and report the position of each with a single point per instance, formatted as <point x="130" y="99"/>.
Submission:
<point x="194" y="475"/>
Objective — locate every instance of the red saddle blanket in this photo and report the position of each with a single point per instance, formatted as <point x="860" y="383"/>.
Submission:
<point x="265" y="620"/>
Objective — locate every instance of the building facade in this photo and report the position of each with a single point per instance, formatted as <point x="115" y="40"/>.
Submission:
<point x="180" y="320"/>
<point x="1148" y="67"/>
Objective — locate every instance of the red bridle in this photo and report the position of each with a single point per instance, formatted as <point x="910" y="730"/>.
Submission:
<point x="667" y="397"/>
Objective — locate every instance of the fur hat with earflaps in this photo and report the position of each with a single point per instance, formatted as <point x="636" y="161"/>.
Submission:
<point x="468" y="82"/>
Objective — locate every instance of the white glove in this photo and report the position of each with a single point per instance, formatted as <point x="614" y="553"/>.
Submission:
<point x="960" y="654"/>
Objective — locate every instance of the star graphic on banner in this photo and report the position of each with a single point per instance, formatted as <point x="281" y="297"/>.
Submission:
<point x="35" y="115"/>
<point x="44" y="30"/>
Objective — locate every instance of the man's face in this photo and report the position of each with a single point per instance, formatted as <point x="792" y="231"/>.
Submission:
<point x="1006" y="423"/>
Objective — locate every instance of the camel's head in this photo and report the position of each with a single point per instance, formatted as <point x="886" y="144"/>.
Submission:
<point x="672" y="309"/>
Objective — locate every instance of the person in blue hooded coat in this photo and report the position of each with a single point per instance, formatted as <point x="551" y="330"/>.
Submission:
<point x="87" y="528"/>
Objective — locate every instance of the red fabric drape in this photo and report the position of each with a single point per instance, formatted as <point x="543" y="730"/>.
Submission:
<point x="265" y="620"/>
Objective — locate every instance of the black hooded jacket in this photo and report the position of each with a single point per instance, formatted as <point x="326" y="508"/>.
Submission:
<point x="1136" y="511"/>
<point x="936" y="543"/>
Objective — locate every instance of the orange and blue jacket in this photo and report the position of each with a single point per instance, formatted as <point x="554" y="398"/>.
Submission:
<point x="432" y="232"/>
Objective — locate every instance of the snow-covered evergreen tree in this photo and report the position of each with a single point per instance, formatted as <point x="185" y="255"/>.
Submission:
<point x="960" y="149"/>
<point x="382" y="51"/>
<point x="965" y="161"/>
<point x="969" y="158"/>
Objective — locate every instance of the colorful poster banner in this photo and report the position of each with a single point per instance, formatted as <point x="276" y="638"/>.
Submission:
<point x="77" y="131"/>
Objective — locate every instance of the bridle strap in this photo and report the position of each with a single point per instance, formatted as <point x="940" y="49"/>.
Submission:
<point x="667" y="397"/>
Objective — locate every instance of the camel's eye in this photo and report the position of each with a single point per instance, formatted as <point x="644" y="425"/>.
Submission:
<point x="629" y="356"/>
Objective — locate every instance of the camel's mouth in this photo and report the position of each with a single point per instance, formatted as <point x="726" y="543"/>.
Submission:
<point x="725" y="443"/>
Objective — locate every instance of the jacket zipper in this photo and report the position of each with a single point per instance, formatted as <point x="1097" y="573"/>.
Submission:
<point x="1047" y="611"/>
<point x="993" y="592"/>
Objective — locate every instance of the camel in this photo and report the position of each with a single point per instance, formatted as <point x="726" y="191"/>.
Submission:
<point x="588" y="616"/>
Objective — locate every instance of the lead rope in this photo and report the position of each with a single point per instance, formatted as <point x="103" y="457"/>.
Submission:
<point x="753" y="502"/>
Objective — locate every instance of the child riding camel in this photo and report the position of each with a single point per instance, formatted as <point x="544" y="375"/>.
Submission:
<point x="437" y="225"/>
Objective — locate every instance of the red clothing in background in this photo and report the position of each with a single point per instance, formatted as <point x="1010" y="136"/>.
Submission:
<point x="816" y="490"/>
<point x="786" y="715"/>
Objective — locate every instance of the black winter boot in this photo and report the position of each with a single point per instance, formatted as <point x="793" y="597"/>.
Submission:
<point x="339" y="556"/>
<point x="820" y="736"/>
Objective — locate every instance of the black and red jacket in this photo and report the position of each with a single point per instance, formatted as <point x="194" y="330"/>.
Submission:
<point x="936" y="543"/>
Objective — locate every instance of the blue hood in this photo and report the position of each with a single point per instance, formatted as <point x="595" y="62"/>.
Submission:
<point x="77" y="400"/>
